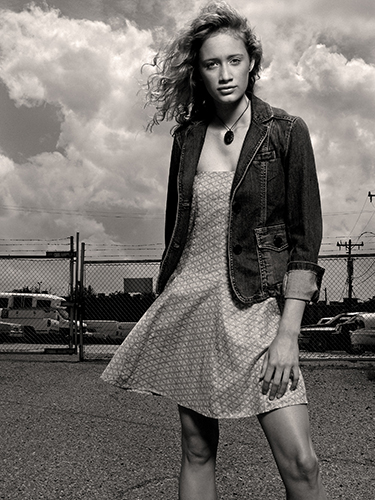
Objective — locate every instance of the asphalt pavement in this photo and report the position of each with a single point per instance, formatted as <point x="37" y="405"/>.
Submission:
<point x="68" y="435"/>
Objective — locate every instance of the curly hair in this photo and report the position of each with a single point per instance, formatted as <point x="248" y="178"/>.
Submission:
<point x="175" y="88"/>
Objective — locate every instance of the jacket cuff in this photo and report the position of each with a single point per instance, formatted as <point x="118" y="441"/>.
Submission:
<point x="302" y="281"/>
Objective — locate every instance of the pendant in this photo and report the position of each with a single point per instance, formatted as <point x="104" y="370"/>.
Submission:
<point x="228" y="137"/>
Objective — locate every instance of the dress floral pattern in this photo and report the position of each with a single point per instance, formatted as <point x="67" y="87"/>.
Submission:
<point x="197" y="344"/>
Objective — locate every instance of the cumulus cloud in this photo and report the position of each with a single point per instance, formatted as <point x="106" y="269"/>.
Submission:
<point x="319" y="63"/>
<point x="91" y="72"/>
<point x="6" y="166"/>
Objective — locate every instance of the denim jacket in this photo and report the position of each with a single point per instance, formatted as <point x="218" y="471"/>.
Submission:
<point x="275" y="222"/>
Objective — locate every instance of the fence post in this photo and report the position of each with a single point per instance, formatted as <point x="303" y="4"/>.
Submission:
<point x="71" y="293"/>
<point x="81" y="302"/>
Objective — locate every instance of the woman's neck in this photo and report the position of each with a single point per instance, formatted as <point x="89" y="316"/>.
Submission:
<point x="229" y="113"/>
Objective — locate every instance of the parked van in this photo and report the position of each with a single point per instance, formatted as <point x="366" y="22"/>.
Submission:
<point x="25" y="300"/>
<point x="37" y="312"/>
<point x="34" y="320"/>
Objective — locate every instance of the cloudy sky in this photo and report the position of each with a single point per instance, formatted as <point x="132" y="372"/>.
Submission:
<point x="74" y="153"/>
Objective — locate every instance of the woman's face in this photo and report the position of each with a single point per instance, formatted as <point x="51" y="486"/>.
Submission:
<point x="224" y="66"/>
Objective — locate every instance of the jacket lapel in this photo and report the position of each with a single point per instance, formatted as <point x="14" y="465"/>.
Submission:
<point x="189" y="159"/>
<point x="261" y="112"/>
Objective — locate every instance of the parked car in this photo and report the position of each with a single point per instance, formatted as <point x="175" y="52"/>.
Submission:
<point x="107" y="331"/>
<point x="363" y="337"/>
<point x="329" y="333"/>
<point x="11" y="332"/>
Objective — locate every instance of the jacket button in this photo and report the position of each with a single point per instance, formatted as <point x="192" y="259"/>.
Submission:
<point x="236" y="207"/>
<point x="278" y="241"/>
<point x="237" y="249"/>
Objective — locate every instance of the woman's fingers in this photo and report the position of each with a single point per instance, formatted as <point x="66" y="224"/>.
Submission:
<point x="282" y="387"/>
<point x="276" y="380"/>
<point x="294" y="375"/>
<point x="268" y="379"/>
<point x="264" y="366"/>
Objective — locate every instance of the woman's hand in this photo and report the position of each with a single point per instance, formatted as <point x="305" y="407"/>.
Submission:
<point x="279" y="365"/>
<point x="281" y="361"/>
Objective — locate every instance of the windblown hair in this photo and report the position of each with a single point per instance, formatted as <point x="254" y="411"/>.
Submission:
<point x="175" y="88"/>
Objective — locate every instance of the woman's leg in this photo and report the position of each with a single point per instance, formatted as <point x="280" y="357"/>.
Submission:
<point x="200" y="437"/>
<point x="288" y="432"/>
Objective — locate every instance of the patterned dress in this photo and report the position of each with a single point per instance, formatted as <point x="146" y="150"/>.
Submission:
<point x="196" y="344"/>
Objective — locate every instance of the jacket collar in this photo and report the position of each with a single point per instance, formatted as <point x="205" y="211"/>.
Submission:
<point x="261" y="110"/>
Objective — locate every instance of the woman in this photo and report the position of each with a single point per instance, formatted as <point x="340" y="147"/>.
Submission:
<point x="243" y="230"/>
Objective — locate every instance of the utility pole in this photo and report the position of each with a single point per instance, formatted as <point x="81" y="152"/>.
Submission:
<point x="371" y="196"/>
<point x="350" y="265"/>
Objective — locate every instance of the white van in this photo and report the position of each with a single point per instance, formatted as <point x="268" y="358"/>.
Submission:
<point x="33" y="320"/>
<point x="37" y="312"/>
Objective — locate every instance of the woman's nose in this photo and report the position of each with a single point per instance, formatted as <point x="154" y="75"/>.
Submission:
<point x="225" y="74"/>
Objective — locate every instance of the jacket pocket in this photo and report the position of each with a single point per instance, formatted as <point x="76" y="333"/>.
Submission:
<point x="273" y="253"/>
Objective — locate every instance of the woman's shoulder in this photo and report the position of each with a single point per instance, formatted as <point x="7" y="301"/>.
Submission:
<point x="266" y="110"/>
<point x="181" y="131"/>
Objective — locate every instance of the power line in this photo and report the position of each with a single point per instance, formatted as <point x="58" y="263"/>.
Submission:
<point x="130" y="213"/>
<point x="328" y="214"/>
<point x="100" y="214"/>
<point x="359" y="216"/>
<point x="35" y="239"/>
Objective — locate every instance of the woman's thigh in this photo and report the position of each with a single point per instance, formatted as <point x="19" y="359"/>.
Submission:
<point x="288" y="432"/>
<point x="200" y="434"/>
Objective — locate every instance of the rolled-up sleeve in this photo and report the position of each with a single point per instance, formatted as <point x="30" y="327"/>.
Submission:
<point x="302" y="281"/>
<point x="304" y="218"/>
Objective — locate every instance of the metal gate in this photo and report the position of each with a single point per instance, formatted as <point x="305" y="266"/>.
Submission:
<point x="114" y="296"/>
<point x="39" y="302"/>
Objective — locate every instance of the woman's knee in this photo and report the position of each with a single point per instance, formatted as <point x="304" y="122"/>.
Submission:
<point x="305" y="467"/>
<point x="197" y="451"/>
<point x="200" y="436"/>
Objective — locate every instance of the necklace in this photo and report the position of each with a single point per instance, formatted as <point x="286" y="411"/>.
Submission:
<point x="229" y="134"/>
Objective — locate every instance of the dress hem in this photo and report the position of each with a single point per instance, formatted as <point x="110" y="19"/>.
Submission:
<point x="149" y="392"/>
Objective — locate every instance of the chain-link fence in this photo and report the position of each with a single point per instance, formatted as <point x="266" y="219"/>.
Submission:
<point x="33" y="303"/>
<point x="115" y="294"/>
<point x="344" y="318"/>
<point x="341" y="324"/>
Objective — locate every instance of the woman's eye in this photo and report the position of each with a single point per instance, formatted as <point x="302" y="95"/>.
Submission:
<point x="211" y="65"/>
<point x="235" y="61"/>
